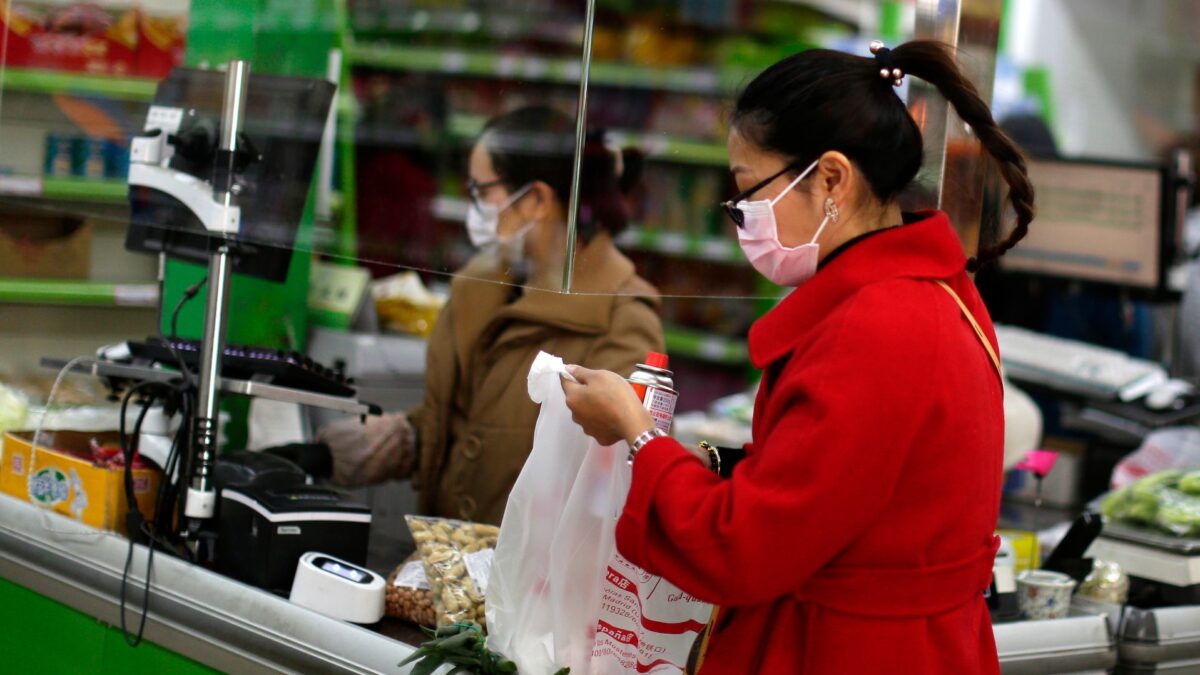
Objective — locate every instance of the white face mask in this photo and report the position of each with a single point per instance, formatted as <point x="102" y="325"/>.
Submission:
<point x="483" y="221"/>
<point x="759" y="239"/>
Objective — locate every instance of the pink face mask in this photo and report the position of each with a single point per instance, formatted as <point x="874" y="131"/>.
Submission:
<point x="759" y="239"/>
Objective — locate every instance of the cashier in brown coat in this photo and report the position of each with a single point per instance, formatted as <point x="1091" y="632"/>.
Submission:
<point x="466" y="443"/>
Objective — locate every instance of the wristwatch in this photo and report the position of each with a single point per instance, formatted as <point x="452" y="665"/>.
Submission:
<point x="642" y="439"/>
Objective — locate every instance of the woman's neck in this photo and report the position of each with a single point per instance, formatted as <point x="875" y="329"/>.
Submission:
<point x="864" y="222"/>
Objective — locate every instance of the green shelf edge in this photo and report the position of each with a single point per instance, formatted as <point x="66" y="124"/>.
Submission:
<point x="85" y="189"/>
<point x="72" y="292"/>
<point x="545" y="69"/>
<point x="697" y="345"/>
<point x="65" y="189"/>
<point x="62" y="82"/>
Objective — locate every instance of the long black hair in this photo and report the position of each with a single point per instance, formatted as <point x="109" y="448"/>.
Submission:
<point x="537" y="143"/>
<point x="821" y="100"/>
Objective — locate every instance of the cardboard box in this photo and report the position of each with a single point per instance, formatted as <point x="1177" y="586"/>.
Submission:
<point x="63" y="481"/>
<point x="44" y="247"/>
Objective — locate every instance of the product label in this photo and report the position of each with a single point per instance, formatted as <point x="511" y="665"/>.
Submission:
<point x="412" y="575"/>
<point x="49" y="487"/>
<point x="661" y="405"/>
<point x="18" y="465"/>
<point x="288" y="529"/>
<point x="479" y="567"/>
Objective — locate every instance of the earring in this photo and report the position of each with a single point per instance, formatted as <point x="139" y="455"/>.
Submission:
<point x="831" y="209"/>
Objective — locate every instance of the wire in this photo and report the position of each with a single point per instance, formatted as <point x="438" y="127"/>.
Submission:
<point x="134" y="521"/>
<point x="187" y="295"/>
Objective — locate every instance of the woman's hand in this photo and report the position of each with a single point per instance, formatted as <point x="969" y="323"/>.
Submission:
<point x="605" y="406"/>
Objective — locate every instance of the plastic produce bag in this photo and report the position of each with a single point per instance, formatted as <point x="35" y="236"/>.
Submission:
<point x="458" y="558"/>
<point x="408" y="595"/>
<point x="1172" y="448"/>
<point x="560" y="595"/>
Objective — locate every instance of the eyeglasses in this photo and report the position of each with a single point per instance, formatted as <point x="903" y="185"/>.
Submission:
<point x="476" y="189"/>
<point x="735" y="214"/>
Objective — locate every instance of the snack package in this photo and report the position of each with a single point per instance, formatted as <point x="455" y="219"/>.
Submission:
<point x="161" y="41"/>
<point x="458" y="558"/>
<point x="408" y="596"/>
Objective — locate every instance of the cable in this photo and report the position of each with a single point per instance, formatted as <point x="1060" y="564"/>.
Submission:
<point x="134" y="520"/>
<point x="183" y="300"/>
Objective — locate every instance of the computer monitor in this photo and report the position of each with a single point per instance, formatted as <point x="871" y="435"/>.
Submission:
<point x="283" y="123"/>
<point x="1098" y="221"/>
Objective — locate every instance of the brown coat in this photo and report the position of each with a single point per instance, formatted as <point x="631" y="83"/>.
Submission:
<point x="475" y="426"/>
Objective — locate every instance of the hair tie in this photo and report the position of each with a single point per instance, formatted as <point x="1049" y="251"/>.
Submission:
<point x="883" y="58"/>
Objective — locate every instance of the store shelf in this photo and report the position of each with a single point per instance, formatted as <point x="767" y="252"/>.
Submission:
<point x="714" y="249"/>
<point x="656" y="146"/>
<point x="77" y="293"/>
<point x="65" y="189"/>
<point x="546" y="69"/>
<point x="59" y="82"/>
<point x="694" y="344"/>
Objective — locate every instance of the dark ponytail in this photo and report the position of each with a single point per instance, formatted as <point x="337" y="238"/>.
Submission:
<point x="821" y="100"/>
<point x="537" y="143"/>
<point x="933" y="62"/>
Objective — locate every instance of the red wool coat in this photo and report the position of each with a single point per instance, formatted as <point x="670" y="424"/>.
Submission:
<point x="857" y="534"/>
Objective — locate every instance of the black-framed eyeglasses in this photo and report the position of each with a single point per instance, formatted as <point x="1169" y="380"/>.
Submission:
<point x="475" y="189"/>
<point x="735" y="214"/>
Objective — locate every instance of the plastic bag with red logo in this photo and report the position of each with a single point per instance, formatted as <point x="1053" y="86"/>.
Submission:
<point x="560" y="595"/>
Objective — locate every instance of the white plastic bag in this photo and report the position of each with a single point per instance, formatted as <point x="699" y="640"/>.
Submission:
<point x="560" y="595"/>
<point x="1171" y="448"/>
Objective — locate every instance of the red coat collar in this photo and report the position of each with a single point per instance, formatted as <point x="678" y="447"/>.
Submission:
<point x="926" y="249"/>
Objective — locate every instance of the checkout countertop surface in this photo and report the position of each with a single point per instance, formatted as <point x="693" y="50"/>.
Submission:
<point x="194" y="612"/>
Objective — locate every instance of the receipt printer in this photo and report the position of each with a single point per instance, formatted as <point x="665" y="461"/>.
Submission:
<point x="263" y="531"/>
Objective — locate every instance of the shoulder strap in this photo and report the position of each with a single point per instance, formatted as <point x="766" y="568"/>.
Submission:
<point x="974" y="324"/>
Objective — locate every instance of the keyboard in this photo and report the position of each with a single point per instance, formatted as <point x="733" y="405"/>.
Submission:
<point x="1075" y="367"/>
<point x="262" y="364"/>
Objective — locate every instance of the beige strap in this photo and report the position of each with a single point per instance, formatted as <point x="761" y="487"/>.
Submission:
<point x="974" y="324"/>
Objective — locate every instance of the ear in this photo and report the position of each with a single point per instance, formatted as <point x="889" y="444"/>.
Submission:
<point x="834" y="171"/>
<point x="538" y="202"/>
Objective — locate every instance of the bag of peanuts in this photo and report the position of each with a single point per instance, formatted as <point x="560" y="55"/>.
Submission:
<point x="408" y="596"/>
<point x="458" y="558"/>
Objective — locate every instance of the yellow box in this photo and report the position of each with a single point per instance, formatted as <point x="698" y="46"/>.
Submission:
<point x="60" y="480"/>
<point x="1025" y="549"/>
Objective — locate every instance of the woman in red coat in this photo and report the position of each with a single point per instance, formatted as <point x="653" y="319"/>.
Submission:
<point x="856" y="536"/>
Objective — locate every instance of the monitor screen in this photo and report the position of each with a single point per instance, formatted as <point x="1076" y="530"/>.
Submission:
<point x="1099" y="222"/>
<point x="284" y="120"/>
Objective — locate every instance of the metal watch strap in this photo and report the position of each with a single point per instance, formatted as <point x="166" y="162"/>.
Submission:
<point x="642" y="439"/>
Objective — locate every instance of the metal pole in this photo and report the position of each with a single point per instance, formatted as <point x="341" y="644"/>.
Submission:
<point x="201" y="496"/>
<point x="580" y="140"/>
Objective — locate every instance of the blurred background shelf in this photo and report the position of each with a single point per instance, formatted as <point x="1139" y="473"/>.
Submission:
<point x="704" y="346"/>
<point x="73" y="292"/>
<point x="695" y="80"/>
<point x="61" y="82"/>
<point x="65" y="189"/>
<point x="681" y="245"/>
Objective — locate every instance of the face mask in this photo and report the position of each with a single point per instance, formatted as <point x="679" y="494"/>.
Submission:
<point x="759" y="239"/>
<point x="483" y="220"/>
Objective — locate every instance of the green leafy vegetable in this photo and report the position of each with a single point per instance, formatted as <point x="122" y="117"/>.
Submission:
<point x="464" y="647"/>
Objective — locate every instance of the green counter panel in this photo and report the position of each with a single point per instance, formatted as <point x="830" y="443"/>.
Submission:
<point x="39" y="635"/>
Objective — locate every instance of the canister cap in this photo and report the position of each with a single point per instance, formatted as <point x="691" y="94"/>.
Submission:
<point x="656" y="360"/>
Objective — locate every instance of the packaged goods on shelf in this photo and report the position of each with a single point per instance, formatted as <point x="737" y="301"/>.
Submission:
<point x="161" y="42"/>
<point x="100" y="38"/>
<point x="44" y="246"/>
<point x="81" y="37"/>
